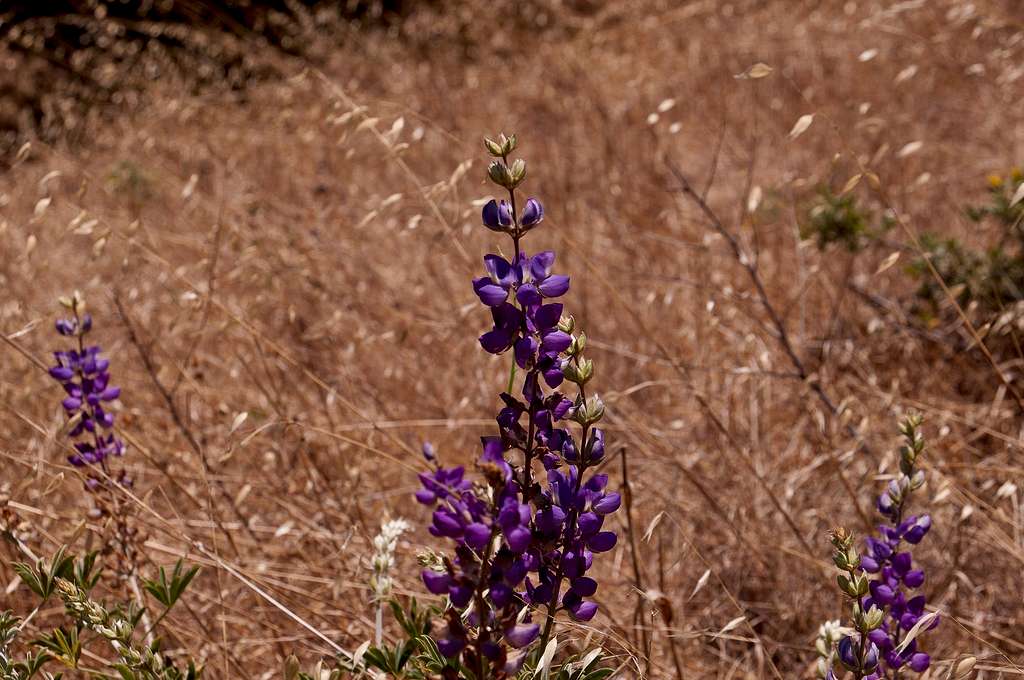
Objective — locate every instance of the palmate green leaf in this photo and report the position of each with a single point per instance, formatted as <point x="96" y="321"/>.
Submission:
<point x="8" y="627"/>
<point x="41" y="578"/>
<point x="63" y="644"/>
<point x="168" y="591"/>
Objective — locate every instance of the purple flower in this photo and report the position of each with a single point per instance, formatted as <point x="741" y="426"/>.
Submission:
<point x="436" y="582"/>
<point x="522" y="634"/>
<point x="533" y="213"/>
<point x="497" y="216"/>
<point x="584" y="611"/>
<point x="849" y="649"/>
<point x="890" y="562"/>
<point x="85" y="377"/>
<point x="919" y="662"/>
<point x="507" y="320"/>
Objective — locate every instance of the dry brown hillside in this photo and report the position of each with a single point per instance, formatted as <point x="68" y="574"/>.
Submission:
<point x="297" y="246"/>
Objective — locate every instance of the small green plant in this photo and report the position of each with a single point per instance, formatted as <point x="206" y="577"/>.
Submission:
<point x="983" y="281"/>
<point x="1001" y="204"/>
<point x="88" y="621"/>
<point x="839" y="219"/>
<point x="989" y="279"/>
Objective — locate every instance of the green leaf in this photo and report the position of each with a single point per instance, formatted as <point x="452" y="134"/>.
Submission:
<point x="168" y="592"/>
<point x="63" y="644"/>
<point x="42" y="577"/>
<point x="84" y="577"/>
<point x="125" y="672"/>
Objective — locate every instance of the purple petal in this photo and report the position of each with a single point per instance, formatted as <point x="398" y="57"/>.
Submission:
<point x="556" y="341"/>
<point x="496" y="341"/>
<point x="914" y="579"/>
<point x="61" y="373"/>
<point x="528" y="296"/>
<point x="521" y="635"/>
<point x="450" y="647"/>
<point x="477" y="535"/>
<point x="533" y="213"/>
<point x="920" y="662"/>
<point x="518" y="539"/>
<point x="540" y="265"/>
<point x="589" y="524"/>
<point x="603" y="541"/>
<point x="526" y="349"/>
<point x="554" y="377"/>
<point x="596" y="451"/>
<point x="500" y="271"/>
<point x="585" y="586"/>
<point x="607" y="504"/>
<point x="460" y="595"/>
<point x="447" y="524"/>
<point x="901" y="563"/>
<point x="547" y="316"/>
<point x="436" y="582"/>
<point x="496" y="216"/>
<point x="554" y="286"/>
<point x="584" y="611"/>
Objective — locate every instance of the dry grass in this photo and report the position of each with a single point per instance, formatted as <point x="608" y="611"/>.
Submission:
<point x="300" y="252"/>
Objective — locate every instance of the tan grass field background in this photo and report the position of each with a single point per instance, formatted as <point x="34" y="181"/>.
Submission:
<point x="299" y="250"/>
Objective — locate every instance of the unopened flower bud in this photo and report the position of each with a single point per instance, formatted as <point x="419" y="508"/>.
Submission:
<point x="499" y="174"/>
<point x="428" y="451"/>
<point x="517" y="173"/>
<point x="502" y="146"/>
<point x="508" y="144"/>
<point x="590" y="411"/>
<point x="841" y="538"/>
<point x="493" y="148"/>
<point x="873" y="618"/>
<point x="74" y="302"/>
<point x="579" y="343"/>
<point x="585" y="371"/>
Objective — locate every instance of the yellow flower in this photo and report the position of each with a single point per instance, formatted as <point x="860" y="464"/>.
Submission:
<point x="995" y="181"/>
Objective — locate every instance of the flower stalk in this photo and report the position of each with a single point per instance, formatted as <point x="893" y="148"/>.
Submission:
<point x="534" y="520"/>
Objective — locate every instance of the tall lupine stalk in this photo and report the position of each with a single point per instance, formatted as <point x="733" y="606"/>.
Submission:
<point x="85" y="376"/>
<point x="887" y="616"/>
<point x="532" y="523"/>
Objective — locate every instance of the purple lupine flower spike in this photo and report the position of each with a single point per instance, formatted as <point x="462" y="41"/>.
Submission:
<point x="84" y="375"/>
<point x="881" y="580"/>
<point x="525" y="535"/>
